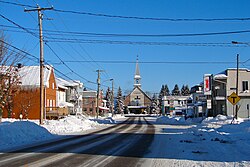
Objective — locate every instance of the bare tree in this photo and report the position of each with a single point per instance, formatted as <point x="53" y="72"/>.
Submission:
<point x="9" y="79"/>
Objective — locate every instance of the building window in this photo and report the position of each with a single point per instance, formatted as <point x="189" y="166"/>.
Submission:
<point x="245" y="85"/>
<point x="53" y="85"/>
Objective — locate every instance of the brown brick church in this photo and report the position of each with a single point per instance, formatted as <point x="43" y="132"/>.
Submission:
<point x="138" y="102"/>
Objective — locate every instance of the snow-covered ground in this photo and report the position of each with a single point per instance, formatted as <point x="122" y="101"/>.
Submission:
<point x="177" y="142"/>
<point x="15" y="133"/>
<point x="212" y="142"/>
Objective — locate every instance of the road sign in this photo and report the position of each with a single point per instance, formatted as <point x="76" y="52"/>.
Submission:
<point x="233" y="98"/>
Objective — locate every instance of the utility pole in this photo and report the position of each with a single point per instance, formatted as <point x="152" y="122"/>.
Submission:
<point x="98" y="91"/>
<point x="237" y="85"/>
<point x="40" y="17"/>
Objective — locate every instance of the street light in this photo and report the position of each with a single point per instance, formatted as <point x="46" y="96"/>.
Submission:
<point x="242" y="43"/>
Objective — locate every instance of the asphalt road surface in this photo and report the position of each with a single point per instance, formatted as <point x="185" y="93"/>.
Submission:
<point x="124" y="144"/>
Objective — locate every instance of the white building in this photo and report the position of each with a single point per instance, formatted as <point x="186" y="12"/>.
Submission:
<point x="224" y="85"/>
<point x="72" y="94"/>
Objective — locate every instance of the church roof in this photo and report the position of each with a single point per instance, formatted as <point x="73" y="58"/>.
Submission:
<point x="137" y="71"/>
<point x="137" y="87"/>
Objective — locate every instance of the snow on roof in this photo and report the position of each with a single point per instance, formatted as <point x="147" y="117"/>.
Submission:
<point x="239" y="69"/>
<point x="220" y="76"/>
<point x="30" y="75"/>
<point x="89" y="93"/>
<point x="63" y="82"/>
<point x="62" y="87"/>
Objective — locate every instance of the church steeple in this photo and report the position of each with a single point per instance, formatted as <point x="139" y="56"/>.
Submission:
<point x="137" y="77"/>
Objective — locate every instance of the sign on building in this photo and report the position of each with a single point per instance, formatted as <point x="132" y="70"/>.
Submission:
<point x="207" y="84"/>
<point x="209" y="104"/>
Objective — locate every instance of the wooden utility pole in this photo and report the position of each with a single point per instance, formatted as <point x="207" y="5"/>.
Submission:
<point x="98" y="91"/>
<point x="237" y="85"/>
<point x="40" y="17"/>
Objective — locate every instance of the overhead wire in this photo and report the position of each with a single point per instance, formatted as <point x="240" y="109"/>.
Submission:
<point x="72" y="57"/>
<point x="135" y="17"/>
<point x="89" y="34"/>
<point x="20" y="50"/>
<point x="48" y="46"/>
<point x="150" y="18"/>
<point x="84" y="50"/>
<point x="151" y="62"/>
<point x="32" y="56"/>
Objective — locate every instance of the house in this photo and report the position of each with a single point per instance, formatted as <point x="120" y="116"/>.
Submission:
<point x="27" y="100"/>
<point x="73" y="94"/>
<point x="173" y="103"/>
<point x="62" y="105"/>
<point x="89" y="102"/>
<point x="137" y="101"/>
<point x="199" y="101"/>
<point x="89" y="105"/>
<point x="224" y="84"/>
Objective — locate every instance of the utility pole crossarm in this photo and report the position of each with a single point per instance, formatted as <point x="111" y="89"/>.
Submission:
<point x="37" y="9"/>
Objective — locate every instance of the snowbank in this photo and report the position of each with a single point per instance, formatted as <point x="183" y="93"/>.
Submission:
<point x="170" y="120"/>
<point x="70" y="125"/>
<point x="21" y="133"/>
<point x="15" y="133"/>
<point x="221" y="120"/>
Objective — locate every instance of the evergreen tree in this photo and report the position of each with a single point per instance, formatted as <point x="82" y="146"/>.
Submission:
<point x="153" y="105"/>
<point x="161" y="94"/>
<point x="185" y="90"/>
<point x="108" y="97"/>
<point x="176" y="91"/>
<point x="164" y="92"/>
<point x="119" y="104"/>
<point x="167" y="90"/>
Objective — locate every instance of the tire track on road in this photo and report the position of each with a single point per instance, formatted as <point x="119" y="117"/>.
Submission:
<point x="27" y="155"/>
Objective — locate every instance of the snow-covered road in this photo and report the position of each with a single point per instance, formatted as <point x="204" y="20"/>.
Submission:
<point x="144" y="141"/>
<point x="110" y="146"/>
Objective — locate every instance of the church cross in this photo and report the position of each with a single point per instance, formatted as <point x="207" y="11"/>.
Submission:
<point x="137" y="98"/>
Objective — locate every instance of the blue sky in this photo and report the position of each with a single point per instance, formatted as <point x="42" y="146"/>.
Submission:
<point x="153" y="75"/>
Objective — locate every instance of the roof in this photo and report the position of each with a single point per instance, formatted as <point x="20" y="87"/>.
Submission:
<point x="30" y="75"/>
<point x="89" y="93"/>
<point x="65" y="83"/>
<point x="220" y="76"/>
<point x="137" y="87"/>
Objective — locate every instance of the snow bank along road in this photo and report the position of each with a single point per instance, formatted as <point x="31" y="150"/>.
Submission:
<point x="121" y="145"/>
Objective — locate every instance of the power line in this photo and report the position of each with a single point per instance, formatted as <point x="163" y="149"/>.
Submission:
<point x="89" y="34"/>
<point x="49" y="48"/>
<point x="150" y="62"/>
<point x="136" y="17"/>
<point x="143" y="43"/>
<point x="26" y="53"/>
<point x="12" y="22"/>
<point x="17" y="4"/>
<point x="67" y="65"/>
<point x="151" y="18"/>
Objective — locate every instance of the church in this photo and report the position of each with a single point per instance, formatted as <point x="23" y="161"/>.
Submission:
<point x="137" y="101"/>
